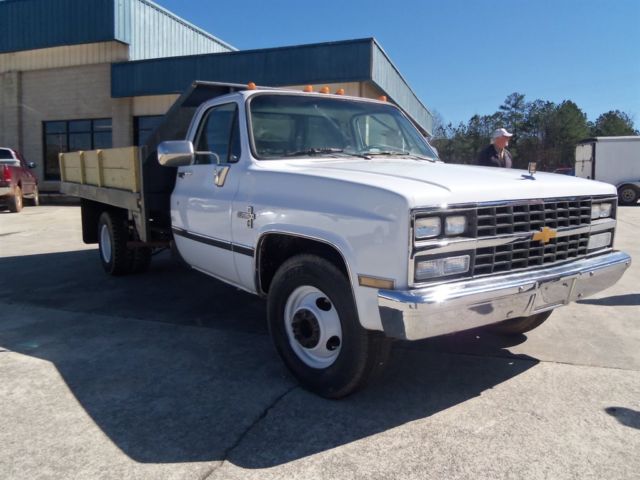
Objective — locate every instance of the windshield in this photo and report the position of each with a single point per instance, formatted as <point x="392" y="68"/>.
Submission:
<point x="297" y="126"/>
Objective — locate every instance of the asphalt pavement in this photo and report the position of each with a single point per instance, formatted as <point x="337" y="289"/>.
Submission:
<point x="172" y="375"/>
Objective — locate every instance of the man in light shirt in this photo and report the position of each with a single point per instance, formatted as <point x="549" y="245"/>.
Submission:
<point x="496" y="154"/>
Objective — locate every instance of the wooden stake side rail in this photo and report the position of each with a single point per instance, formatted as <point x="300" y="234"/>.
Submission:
<point x="110" y="176"/>
<point x="109" y="168"/>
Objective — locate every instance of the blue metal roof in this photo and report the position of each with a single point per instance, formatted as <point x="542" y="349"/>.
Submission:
<point x="150" y="30"/>
<point x="359" y="60"/>
<point x="32" y="24"/>
<point x="302" y="64"/>
<point x="387" y="76"/>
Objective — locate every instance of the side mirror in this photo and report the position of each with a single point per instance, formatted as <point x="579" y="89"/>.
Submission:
<point x="31" y="165"/>
<point x="175" y="153"/>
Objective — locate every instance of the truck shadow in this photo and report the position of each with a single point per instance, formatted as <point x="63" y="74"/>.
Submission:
<point x="629" y="299"/>
<point x="167" y="390"/>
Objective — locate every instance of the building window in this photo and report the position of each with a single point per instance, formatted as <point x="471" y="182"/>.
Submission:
<point x="71" y="136"/>
<point x="143" y="126"/>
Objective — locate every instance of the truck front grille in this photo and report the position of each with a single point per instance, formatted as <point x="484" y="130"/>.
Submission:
<point x="530" y="217"/>
<point x="501" y="234"/>
<point x="528" y="253"/>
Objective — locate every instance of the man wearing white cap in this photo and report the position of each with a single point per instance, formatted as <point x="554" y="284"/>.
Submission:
<point x="496" y="154"/>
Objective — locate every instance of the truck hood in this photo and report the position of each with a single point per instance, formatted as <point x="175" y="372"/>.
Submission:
<point x="425" y="183"/>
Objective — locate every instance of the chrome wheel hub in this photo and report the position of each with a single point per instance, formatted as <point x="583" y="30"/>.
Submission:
<point x="105" y="244"/>
<point x="313" y="327"/>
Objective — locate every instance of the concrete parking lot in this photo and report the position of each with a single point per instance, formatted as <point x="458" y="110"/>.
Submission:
<point x="171" y="374"/>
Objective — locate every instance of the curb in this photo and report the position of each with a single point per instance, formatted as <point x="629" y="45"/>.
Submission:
<point x="58" y="199"/>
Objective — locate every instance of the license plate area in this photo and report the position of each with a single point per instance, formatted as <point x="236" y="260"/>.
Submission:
<point x="554" y="293"/>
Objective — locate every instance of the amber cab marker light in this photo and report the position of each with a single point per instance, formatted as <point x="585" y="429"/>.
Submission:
<point x="382" y="98"/>
<point x="340" y="91"/>
<point x="324" y="90"/>
<point x="308" y="88"/>
<point x="251" y="86"/>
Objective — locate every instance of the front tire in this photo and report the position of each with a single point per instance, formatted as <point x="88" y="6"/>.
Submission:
<point x="520" y="325"/>
<point x="113" y="234"/>
<point x="315" y="327"/>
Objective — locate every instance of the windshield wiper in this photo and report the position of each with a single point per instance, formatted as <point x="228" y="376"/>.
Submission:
<point x="385" y="152"/>
<point x="404" y="153"/>
<point x="315" y="151"/>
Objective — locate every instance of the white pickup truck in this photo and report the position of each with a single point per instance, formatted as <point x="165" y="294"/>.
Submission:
<point x="338" y="212"/>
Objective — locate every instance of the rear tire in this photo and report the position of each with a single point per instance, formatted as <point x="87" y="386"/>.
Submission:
<point x="315" y="327"/>
<point x="520" y="325"/>
<point x="628" y="195"/>
<point x="16" y="202"/>
<point x="113" y="234"/>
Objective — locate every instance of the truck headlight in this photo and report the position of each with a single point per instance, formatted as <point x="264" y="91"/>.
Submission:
<point x="455" y="225"/>
<point x="432" y="227"/>
<point x="428" y="227"/>
<point x="441" y="267"/>
<point x="600" y="210"/>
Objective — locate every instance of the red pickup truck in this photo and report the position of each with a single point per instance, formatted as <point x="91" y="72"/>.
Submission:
<point x="16" y="180"/>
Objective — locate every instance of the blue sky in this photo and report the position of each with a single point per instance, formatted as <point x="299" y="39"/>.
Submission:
<point x="461" y="57"/>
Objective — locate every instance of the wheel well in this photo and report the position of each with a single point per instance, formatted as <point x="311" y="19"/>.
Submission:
<point x="90" y="212"/>
<point x="275" y="248"/>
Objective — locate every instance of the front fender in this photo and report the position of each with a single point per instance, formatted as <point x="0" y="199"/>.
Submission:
<point x="365" y="298"/>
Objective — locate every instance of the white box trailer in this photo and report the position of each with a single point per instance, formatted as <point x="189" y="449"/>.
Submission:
<point x="614" y="160"/>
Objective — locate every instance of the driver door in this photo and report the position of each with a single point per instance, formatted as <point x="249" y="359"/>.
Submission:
<point x="204" y="192"/>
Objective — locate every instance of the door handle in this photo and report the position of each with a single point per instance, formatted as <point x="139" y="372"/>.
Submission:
<point x="220" y="175"/>
<point x="186" y="173"/>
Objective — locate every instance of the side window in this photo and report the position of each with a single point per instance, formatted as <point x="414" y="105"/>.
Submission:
<point x="219" y="138"/>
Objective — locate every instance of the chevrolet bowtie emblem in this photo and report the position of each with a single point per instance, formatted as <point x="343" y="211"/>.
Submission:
<point x="544" y="235"/>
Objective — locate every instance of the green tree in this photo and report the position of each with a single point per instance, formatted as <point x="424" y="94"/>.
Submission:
<point x="534" y="142"/>
<point x="513" y="114"/>
<point x="613" y="123"/>
<point x="544" y="132"/>
<point x="567" y="125"/>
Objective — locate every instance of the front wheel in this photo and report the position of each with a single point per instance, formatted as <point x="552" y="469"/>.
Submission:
<point x="314" y="325"/>
<point x="520" y="325"/>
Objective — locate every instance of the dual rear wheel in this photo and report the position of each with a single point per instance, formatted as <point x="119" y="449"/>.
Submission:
<point x="116" y="258"/>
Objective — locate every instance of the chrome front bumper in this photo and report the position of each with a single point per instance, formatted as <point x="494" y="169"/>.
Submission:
<point x="432" y="311"/>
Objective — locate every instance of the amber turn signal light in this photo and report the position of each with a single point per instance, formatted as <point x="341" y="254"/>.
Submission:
<point x="308" y="88"/>
<point x="251" y="86"/>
